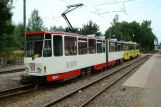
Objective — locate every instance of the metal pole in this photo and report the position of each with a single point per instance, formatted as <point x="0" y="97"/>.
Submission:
<point x="24" y="22"/>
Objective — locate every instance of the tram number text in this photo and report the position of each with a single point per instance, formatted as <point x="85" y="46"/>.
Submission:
<point x="71" y="64"/>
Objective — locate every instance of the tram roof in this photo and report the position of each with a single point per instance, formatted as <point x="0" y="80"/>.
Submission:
<point x="62" y="33"/>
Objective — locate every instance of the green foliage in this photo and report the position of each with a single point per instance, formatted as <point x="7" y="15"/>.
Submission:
<point x="18" y="36"/>
<point x="35" y="23"/>
<point x="6" y="26"/>
<point x="5" y="16"/>
<point x="89" y="28"/>
<point x="12" y="54"/>
<point x="133" y="31"/>
<point x="74" y="30"/>
<point x="54" y="28"/>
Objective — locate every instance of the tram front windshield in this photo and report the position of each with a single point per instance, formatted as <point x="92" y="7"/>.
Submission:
<point x="34" y="45"/>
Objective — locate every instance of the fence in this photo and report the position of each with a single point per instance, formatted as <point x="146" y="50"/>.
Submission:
<point x="4" y="62"/>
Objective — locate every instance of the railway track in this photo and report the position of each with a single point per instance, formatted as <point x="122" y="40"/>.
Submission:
<point x="70" y="94"/>
<point x="6" y="94"/>
<point x="12" y="71"/>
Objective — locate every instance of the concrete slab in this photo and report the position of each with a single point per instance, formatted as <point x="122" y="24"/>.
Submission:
<point x="148" y="75"/>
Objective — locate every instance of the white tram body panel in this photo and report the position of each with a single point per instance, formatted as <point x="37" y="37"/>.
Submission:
<point x="67" y="66"/>
<point x="59" y="67"/>
<point x="114" y="55"/>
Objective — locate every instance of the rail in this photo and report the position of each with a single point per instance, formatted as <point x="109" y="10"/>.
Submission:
<point x="95" y="81"/>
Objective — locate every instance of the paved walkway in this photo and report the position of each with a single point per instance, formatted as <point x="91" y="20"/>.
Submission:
<point x="148" y="75"/>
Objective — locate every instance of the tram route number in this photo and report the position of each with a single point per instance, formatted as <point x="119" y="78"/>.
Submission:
<point x="71" y="64"/>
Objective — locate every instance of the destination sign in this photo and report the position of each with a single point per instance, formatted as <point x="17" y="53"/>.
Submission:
<point x="34" y="37"/>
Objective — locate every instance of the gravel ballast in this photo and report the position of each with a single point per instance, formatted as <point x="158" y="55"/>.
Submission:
<point x="41" y="97"/>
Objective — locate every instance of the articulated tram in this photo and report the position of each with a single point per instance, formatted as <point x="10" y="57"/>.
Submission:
<point x="59" y="56"/>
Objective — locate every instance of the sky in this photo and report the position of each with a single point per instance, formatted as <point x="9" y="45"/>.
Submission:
<point x="101" y="12"/>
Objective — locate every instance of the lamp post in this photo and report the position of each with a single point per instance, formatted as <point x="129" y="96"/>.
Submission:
<point x="24" y="23"/>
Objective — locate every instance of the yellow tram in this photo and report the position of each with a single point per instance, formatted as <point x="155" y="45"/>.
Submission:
<point x="130" y="50"/>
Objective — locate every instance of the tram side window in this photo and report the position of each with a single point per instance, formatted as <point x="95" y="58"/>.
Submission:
<point x="116" y="47"/>
<point x="70" y="45"/>
<point x="122" y="46"/>
<point x="58" y="47"/>
<point x="92" y="46"/>
<point x="112" y="46"/>
<point x="99" y="46"/>
<point x="47" y="48"/>
<point x="131" y="47"/>
<point x="119" y="47"/>
<point x="109" y="46"/>
<point x="82" y="46"/>
<point x="137" y="46"/>
<point x="47" y="36"/>
<point x="127" y="47"/>
<point x="104" y="46"/>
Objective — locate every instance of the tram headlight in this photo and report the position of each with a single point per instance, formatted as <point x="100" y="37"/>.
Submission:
<point x="39" y="69"/>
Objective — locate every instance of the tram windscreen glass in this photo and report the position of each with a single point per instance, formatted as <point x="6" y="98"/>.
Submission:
<point x="34" y="49"/>
<point x="34" y="37"/>
<point x="34" y="44"/>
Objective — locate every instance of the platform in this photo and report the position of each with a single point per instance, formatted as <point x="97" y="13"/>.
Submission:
<point x="148" y="75"/>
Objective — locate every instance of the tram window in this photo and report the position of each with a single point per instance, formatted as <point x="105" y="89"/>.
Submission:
<point x="109" y="46"/>
<point x="92" y="46"/>
<point x="137" y="46"/>
<point x="115" y="47"/>
<point x="47" y="36"/>
<point x="70" y="45"/>
<point x="112" y="47"/>
<point x="119" y="46"/>
<point x="47" y="48"/>
<point x="127" y="47"/>
<point x="57" y="45"/>
<point x="104" y="46"/>
<point x="99" y="46"/>
<point x="131" y="47"/>
<point x="82" y="46"/>
<point x="122" y="46"/>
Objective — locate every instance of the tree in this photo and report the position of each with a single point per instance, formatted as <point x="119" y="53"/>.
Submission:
<point x="132" y="31"/>
<point x="18" y="36"/>
<point x="74" y="30"/>
<point x="89" y="28"/>
<point x="6" y="25"/>
<point x="114" y="31"/>
<point x="5" y="16"/>
<point x="55" y="28"/>
<point x="35" y="23"/>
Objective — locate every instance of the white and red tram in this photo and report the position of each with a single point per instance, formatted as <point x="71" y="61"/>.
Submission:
<point x="54" y="56"/>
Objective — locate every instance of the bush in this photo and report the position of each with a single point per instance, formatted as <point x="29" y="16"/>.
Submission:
<point x="145" y="50"/>
<point x="12" y="54"/>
